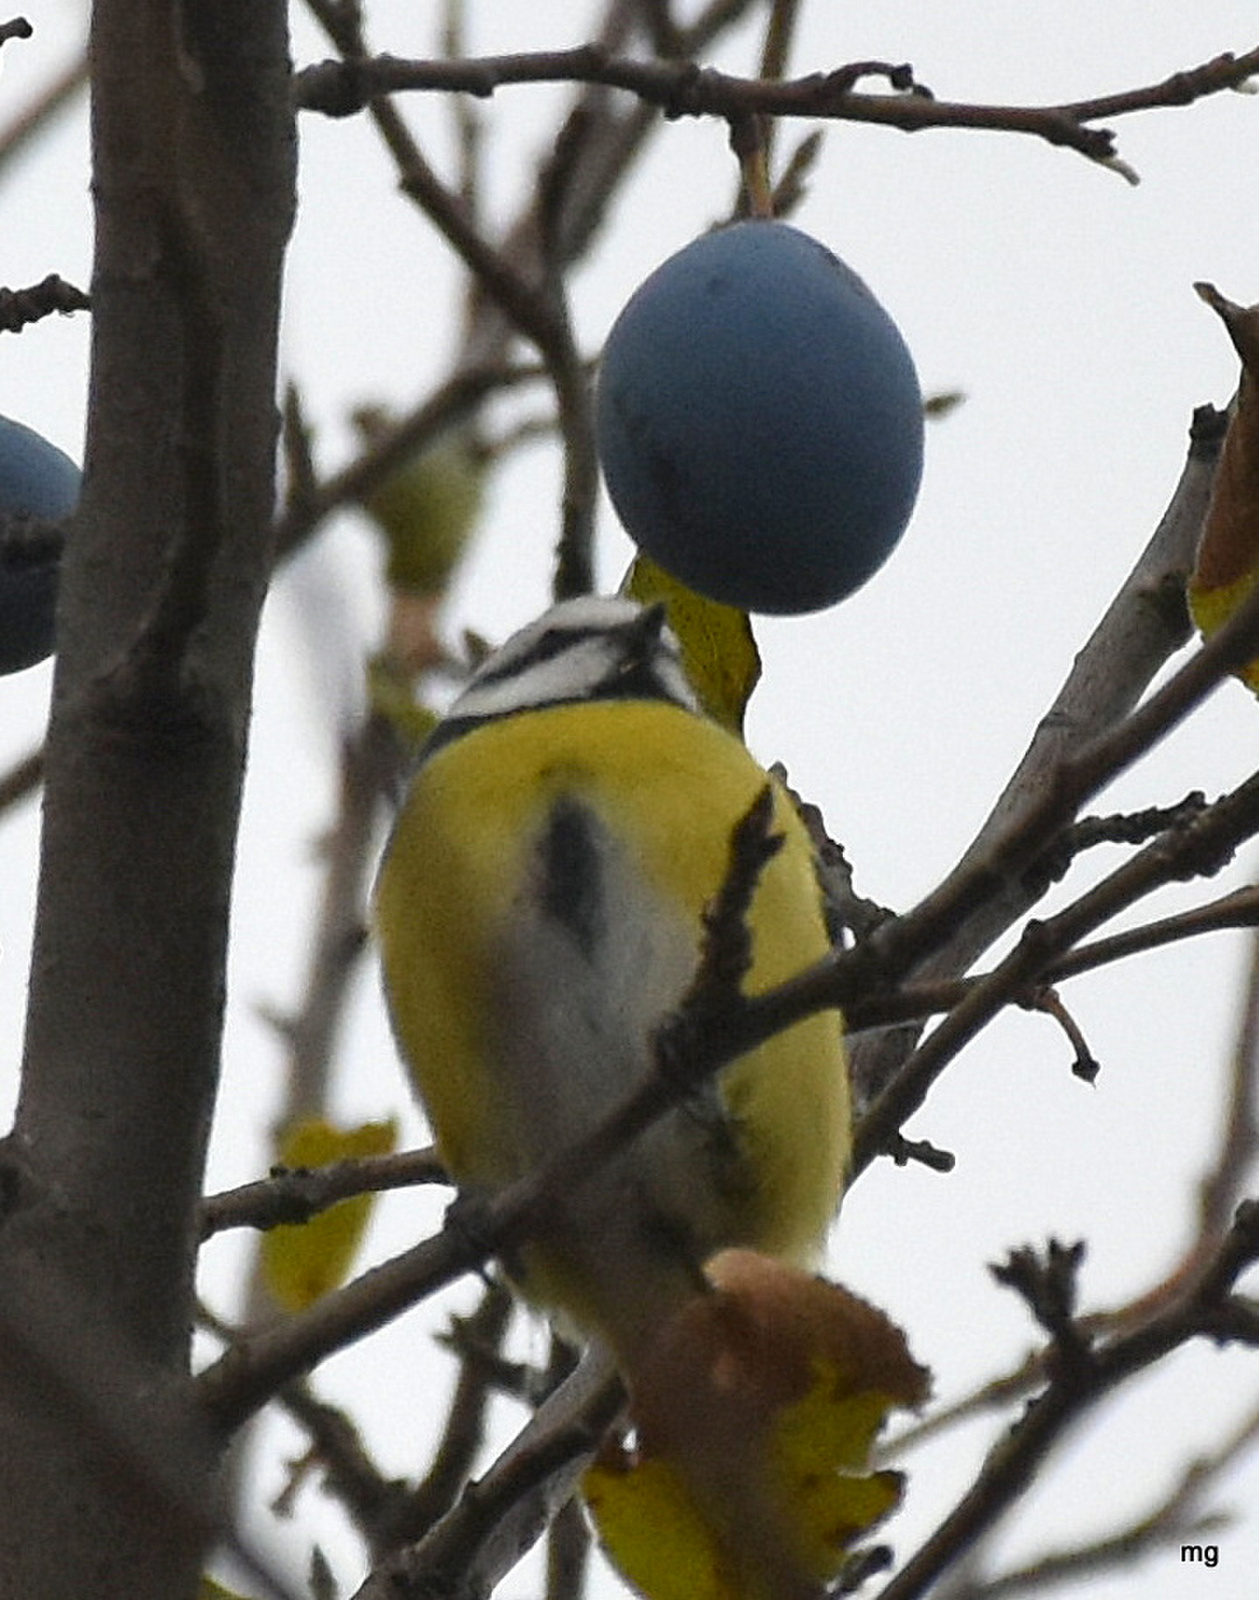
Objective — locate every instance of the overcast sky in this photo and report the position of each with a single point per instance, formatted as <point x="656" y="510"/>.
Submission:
<point x="1059" y="300"/>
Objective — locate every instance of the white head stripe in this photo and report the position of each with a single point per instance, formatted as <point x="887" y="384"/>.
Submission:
<point x="596" y="647"/>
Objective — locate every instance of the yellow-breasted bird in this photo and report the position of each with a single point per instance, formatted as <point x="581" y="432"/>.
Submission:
<point x="539" y="912"/>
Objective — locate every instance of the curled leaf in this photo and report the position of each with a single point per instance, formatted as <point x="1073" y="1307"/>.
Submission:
<point x="1228" y="552"/>
<point x="303" y="1262"/>
<point x="719" y="654"/>
<point x="755" y="1412"/>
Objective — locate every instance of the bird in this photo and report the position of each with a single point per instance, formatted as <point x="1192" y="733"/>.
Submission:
<point x="539" y="912"/>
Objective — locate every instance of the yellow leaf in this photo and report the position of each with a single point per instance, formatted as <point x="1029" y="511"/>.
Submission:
<point x="390" y="696"/>
<point x="719" y="654"/>
<point x="303" y="1262"/>
<point x="1228" y="551"/>
<point x="427" y="508"/>
<point x="755" y="1410"/>
<point x="210" y="1590"/>
<point x="819" y="1454"/>
<point x="653" y="1532"/>
<point x="1211" y="609"/>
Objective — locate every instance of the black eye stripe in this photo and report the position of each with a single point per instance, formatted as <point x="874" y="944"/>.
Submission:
<point x="554" y="642"/>
<point x="592" y="650"/>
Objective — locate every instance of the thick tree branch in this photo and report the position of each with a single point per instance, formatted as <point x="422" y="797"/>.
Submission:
<point x="162" y="586"/>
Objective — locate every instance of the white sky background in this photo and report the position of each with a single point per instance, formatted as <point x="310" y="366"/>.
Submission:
<point x="1059" y="299"/>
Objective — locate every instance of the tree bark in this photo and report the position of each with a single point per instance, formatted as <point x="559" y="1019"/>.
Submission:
<point x="106" y="1474"/>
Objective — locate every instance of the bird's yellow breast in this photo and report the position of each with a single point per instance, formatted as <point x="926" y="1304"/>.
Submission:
<point x="539" y="911"/>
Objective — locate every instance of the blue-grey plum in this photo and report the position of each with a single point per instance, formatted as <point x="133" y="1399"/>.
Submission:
<point x="38" y="481"/>
<point x="759" y="421"/>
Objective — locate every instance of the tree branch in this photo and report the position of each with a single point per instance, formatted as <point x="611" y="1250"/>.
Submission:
<point x="292" y="1197"/>
<point x="161" y="590"/>
<point x="683" y="88"/>
<point x="1074" y="1387"/>
<point x="20" y="307"/>
<point x="1145" y="622"/>
<point x="244" y="1378"/>
<point x="1202" y="846"/>
<point x="500" y="1516"/>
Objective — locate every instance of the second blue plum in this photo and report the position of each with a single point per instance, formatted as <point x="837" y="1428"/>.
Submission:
<point x="36" y="480"/>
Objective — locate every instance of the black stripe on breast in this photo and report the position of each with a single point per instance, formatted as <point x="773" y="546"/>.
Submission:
<point x="570" y="872"/>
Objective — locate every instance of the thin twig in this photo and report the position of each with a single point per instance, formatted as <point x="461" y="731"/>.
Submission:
<point x="1200" y="847"/>
<point x="451" y="402"/>
<point x="353" y="1478"/>
<point x="1172" y="1520"/>
<point x="1220" y="1192"/>
<point x="52" y="295"/>
<point x="1222" y="1186"/>
<point x="293" y="1196"/>
<point x="22" y="779"/>
<point x="500" y="1516"/>
<point x="682" y="88"/>
<point x="59" y="92"/>
<point x="1145" y="622"/>
<point x="916" y="1002"/>
<point x="1074" y="1387"/>
<point x="480" y="1337"/>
